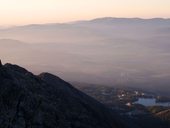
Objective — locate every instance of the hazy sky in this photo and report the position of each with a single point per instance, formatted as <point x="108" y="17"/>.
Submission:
<point x="43" y="11"/>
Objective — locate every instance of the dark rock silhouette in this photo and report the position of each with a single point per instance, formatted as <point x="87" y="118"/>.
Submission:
<point x="46" y="101"/>
<point x="0" y="63"/>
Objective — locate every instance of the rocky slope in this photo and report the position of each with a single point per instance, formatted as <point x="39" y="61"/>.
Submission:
<point x="164" y="115"/>
<point x="46" y="101"/>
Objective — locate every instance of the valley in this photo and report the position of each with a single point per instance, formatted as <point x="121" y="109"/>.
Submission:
<point x="137" y="104"/>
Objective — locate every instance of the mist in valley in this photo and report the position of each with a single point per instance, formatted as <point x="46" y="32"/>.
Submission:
<point x="110" y="51"/>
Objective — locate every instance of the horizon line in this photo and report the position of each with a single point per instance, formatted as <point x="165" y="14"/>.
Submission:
<point x="81" y="20"/>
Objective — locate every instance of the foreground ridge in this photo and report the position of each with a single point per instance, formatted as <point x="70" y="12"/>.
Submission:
<point x="47" y="101"/>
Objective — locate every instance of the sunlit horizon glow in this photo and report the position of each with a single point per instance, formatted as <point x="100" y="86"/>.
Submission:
<point x="19" y="12"/>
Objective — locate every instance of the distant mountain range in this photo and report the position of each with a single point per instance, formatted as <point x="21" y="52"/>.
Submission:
<point x="100" y="20"/>
<point x="114" y="51"/>
<point x="113" y="20"/>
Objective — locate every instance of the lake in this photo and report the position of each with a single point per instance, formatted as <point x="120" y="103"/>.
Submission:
<point x="151" y="102"/>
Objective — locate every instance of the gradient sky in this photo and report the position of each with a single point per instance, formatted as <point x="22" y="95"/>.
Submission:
<point x="15" y="12"/>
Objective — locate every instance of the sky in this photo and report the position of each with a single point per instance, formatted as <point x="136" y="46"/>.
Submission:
<point x="17" y="12"/>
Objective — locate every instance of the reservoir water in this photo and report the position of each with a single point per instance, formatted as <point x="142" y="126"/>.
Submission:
<point x="151" y="102"/>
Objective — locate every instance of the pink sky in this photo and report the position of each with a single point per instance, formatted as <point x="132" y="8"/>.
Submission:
<point x="16" y="12"/>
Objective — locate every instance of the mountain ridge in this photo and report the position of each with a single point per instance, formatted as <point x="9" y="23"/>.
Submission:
<point x="91" y="20"/>
<point x="48" y="101"/>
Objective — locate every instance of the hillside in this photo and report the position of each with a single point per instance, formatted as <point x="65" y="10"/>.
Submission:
<point x="46" y="101"/>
